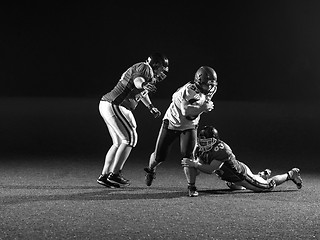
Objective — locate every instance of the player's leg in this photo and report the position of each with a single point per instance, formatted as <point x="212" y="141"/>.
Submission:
<point x="187" y="145"/>
<point x="116" y="141"/>
<point x="129" y="147"/>
<point x="293" y="175"/>
<point x="255" y="182"/>
<point x="125" y="127"/>
<point x="265" y="174"/>
<point x="165" y="138"/>
<point x="107" y="114"/>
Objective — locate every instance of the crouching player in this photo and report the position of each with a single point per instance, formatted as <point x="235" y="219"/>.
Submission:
<point x="212" y="155"/>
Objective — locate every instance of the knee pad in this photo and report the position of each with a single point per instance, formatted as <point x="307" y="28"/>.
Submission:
<point x="127" y="142"/>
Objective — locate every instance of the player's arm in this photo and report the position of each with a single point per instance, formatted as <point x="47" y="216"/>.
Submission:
<point x="146" y="100"/>
<point x="188" y="108"/>
<point x="153" y="110"/>
<point x="189" y="104"/>
<point x="206" y="168"/>
<point x="140" y="83"/>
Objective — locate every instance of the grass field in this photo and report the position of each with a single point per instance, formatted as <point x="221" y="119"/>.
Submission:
<point x="53" y="150"/>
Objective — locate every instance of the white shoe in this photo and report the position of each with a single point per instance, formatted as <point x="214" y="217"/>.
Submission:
<point x="294" y="175"/>
<point x="265" y="174"/>
<point x="192" y="191"/>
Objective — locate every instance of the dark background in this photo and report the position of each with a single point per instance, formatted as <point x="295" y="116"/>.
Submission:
<point x="58" y="58"/>
<point x="261" y="50"/>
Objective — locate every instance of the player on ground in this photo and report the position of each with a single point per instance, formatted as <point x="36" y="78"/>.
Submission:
<point x="212" y="155"/>
<point x="181" y="120"/>
<point x="116" y="109"/>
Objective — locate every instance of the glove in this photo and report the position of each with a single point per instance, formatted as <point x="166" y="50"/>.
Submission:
<point x="187" y="162"/>
<point x="154" y="111"/>
<point x="209" y="105"/>
<point x="149" y="87"/>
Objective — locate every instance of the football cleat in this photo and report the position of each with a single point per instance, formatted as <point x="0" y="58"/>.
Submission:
<point x="124" y="179"/>
<point x="151" y="174"/>
<point x="294" y="175"/>
<point x="233" y="186"/>
<point x="192" y="191"/>
<point x="265" y="174"/>
<point x="103" y="180"/>
<point x="117" y="179"/>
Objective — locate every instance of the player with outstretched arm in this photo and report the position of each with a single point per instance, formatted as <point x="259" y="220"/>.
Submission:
<point x="181" y="121"/>
<point x="212" y="155"/>
<point x="116" y="108"/>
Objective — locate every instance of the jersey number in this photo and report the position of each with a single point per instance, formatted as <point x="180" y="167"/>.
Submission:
<point x="218" y="147"/>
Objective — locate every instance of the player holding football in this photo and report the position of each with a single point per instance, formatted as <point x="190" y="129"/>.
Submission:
<point x="212" y="155"/>
<point x="181" y="121"/>
<point x="116" y="109"/>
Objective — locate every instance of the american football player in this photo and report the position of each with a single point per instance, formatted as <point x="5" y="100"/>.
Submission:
<point x="116" y="108"/>
<point x="212" y="155"/>
<point x="181" y="120"/>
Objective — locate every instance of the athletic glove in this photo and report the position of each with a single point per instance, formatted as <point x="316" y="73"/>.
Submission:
<point x="187" y="162"/>
<point x="154" y="111"/>
<point x="149" y="87"/>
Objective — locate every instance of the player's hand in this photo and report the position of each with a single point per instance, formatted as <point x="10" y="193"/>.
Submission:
<point x="187" y="162"/>
<point x="149" y="87"/>
<point x="210" y="106"/>
<point x="154" y="111"/>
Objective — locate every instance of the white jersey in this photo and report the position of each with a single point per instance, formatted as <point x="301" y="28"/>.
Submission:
<point x="191" y="94"/>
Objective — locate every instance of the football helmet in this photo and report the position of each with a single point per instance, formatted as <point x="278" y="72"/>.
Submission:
<point x="207" y="138"/>
<point x="205" y="79"/>
<point x="159" y="64"/>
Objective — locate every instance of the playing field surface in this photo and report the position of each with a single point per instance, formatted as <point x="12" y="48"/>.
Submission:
<point x="53" y="150"/>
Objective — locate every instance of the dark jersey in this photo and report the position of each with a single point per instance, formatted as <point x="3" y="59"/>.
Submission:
<point x="125" y="93"/>
<point x="231" y="170"/>
<point x="220" y="151"/>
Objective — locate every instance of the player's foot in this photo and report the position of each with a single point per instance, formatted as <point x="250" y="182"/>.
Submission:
<point x="294" y="175"/>
<point x="192" y="191"/>
<point x="265" y="174"/>
<point x="116" y="178"/>
<point x="233" y="186"/>
<point x="103" y="180"/>
<point x="124" y="179"/>
<point x="151" y="174"/>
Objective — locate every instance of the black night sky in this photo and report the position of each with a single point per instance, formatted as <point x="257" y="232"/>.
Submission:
<point x="261" y="50"/>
